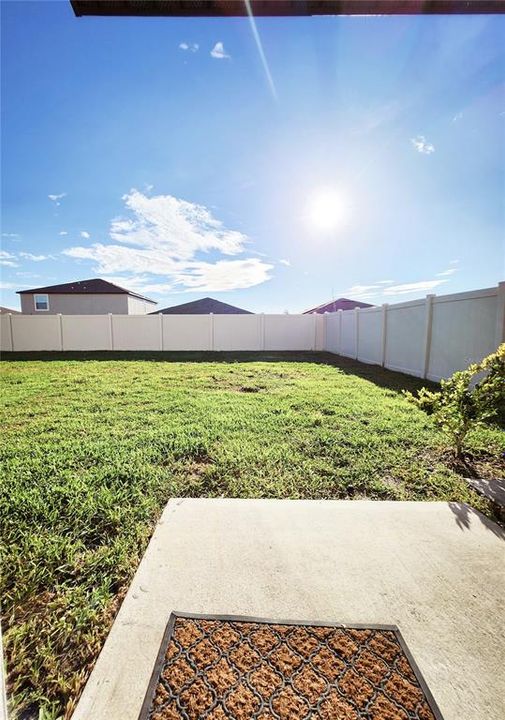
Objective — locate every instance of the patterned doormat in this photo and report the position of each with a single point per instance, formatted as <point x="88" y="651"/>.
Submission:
<point x="238" y="668"/>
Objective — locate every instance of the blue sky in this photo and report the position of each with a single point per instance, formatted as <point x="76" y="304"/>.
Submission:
<point x="365" y="159"/>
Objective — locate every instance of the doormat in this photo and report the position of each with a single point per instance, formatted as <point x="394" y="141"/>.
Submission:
<point x="238" y="668"/>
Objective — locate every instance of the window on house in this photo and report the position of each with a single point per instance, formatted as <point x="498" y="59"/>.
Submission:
<point x="41" y="302"/>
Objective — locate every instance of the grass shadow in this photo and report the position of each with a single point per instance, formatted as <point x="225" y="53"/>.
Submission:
<point x="380" y="376"/>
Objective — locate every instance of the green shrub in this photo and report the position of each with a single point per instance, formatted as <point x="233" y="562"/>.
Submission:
<point x="469" y="398"/>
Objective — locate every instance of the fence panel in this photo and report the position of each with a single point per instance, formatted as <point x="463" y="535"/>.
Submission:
<point x="348" y="339"/>
<point x="462" y="332"/>
<point x="5" y="334"/>
<point x="136" y="332"/>
<point x="370" y="336"/>
<point x="405" y="337"/>
<point x="86" y="332"/>
<point x="238" y="332"/>
<point x="187" y="332"/>
<point x="333" y="332"/>
<point x="290" y="332"/>
<point x="31" y="332"/>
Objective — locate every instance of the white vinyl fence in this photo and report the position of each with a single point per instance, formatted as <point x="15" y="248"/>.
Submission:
<point x="428" y="338"/>
<point x="161" y="332"/>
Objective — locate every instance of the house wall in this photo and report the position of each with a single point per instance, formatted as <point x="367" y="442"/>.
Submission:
<point x="71" y="304"/>
<point x="136" y="306"/>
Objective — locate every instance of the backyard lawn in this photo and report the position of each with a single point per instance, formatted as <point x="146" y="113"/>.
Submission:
<point x="94" y="447"/>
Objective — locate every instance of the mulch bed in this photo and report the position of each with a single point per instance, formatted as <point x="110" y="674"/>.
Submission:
<point x="227" y="668"/>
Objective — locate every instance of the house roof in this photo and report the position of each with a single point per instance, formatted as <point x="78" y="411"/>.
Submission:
<point x="6" y="310"/>
<point x="188" y="8"/>
<point x="94" y="286"/>
<point x="334" y="305"/>
<point x="205" y="306"/>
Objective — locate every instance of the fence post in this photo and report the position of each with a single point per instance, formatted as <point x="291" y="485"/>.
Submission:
<point x="500" y="315"/>
<point x="211" y="331"/>
<point x="356" y="332"/>
<point x="111" y="333"/>
<point x="340" y="316"/>
<point x="161" y="330"/>
<point x="384" y="333"/>
<point x="262" y="331"/>
<point x="60" y="330"/>
<point x="427" y="334"/>
<point x="11" y="336"/>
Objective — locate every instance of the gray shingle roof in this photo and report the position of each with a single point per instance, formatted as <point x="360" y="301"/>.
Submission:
<point x="94" y="286"/>
<point x="205" y="306"/>
<point x="334" y="305"/>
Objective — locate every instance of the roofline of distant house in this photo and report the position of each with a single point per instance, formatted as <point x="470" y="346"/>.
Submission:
<point x="55" y="290"/>
<point x="223" y="8"/>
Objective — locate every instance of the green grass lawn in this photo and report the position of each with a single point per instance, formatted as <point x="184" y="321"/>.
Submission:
<point x="94" y="447"/>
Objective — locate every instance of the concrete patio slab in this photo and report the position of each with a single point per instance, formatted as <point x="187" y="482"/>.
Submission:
<point x="437" y="570"/>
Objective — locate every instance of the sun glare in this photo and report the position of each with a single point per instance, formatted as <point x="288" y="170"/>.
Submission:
<point x="327" y="210"/>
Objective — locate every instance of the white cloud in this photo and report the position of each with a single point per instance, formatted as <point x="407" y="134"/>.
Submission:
<point x="445" y="273"/>
<point x="56" y="198"/>
<point x="35" y="258"/>
<point x="386" y="288"/>
<point x="165" y="236"/>
<point x="225" y="275"/>
<point x="10" y="286"/>
<point x="423" y="286"/>
<point x="141" y="284"/>
<point x="457" y="117"/>
<point x="285" y="262"/>
<point x="189" y="47"/>
<point x="63" y="232"/>
<point x="7" y="259"/>
<point x="10" y="235"/>
<point x="85" y="235"/>
<point x="422" y="146"/>
<point x="219" y="52"/>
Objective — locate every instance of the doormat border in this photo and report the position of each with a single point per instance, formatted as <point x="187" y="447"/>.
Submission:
<point x="176" y="614"/>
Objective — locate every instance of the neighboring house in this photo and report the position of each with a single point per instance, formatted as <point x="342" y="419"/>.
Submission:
<point x="334" y="305"/>
<point x="84" y="297"/>
<point x="6" y="311"/>
<point x="205" y="306"/>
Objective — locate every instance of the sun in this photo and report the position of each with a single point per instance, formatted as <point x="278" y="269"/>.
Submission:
<point x="327" y="210"/>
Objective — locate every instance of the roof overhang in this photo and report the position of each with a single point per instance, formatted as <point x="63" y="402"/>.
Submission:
<point x="224" y="8"/>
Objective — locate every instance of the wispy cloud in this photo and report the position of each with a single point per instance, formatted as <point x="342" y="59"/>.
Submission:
<point x="422" y="146"/>
<point x="63" y="232"/>
<point x="34" y="258"/>
<point x="219" y="52"/>
<point x="189" y="47"/>
<point x="423" y="286"/>
<point x="449" y="271"/>
<point x="457" y="117"/>
<point x="85" y="235"/>
<point x="7" y="259"/>
<point x="10" y="286"/>
<point x="10" y="235"/>
<point x="164" y="236"/>
<point x="386" y="288"/>
<point x="57" y="198"/>
<point x="285" y="262"/>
